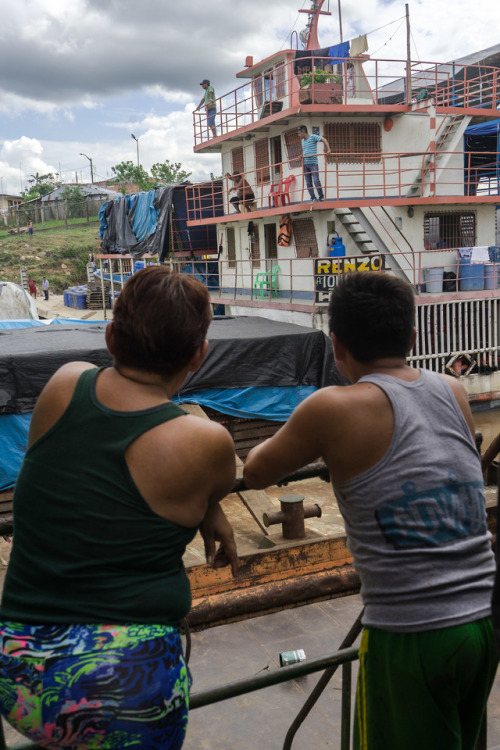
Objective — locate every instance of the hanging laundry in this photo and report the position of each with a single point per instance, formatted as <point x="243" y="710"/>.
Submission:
<point x="359" y="45"/>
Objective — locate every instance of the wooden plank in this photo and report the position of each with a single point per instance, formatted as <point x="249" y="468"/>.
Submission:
<point x="257" y="502"/>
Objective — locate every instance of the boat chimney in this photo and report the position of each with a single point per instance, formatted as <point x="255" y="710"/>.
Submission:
<point x="248" y="61"/>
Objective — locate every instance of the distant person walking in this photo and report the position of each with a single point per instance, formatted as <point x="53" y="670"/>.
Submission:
<point x="208" y="101"/>
<point x="309" y="145"/>
<point x="244" y="193"/>
<point x="32" y="287"/>
<point x="45" y="288"/>
<point x="30" y="227"/>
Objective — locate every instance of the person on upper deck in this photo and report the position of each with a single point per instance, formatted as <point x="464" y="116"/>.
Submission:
<point x="244" y="193"/>
<point x="399" y="445"/>
<point x="91" y="653"/>
<point x="309" y="145"/>
<point x="208" y="101"/>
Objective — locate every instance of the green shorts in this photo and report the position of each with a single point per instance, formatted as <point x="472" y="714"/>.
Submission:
<point x="424" y="690"/>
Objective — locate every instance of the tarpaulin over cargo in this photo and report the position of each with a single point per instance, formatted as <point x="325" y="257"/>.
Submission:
<point x="255" y="368"/>
<point x="481" y="158"/>
<point x="244" y="352"/>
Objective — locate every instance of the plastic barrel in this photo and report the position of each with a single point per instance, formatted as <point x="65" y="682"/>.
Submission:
<point x="433" y="280"/>
<point x="138" y="265"/>
<point x="490" y="276"/>
<point x="470" y="276"/>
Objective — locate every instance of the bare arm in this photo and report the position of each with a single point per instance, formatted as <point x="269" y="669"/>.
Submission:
<point x="326" y="145"/>
<point x="296" y="444"/>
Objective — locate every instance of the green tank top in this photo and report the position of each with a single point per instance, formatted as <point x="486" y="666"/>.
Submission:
<point x="87" y="548"/>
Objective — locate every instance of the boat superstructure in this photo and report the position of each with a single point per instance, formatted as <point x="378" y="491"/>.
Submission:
<point x="406" y="190"/>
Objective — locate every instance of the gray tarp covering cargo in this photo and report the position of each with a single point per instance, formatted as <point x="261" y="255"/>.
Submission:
<point x="244" y="353"/>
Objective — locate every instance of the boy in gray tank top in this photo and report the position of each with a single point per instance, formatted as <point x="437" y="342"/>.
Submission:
<point x="400" y="449"/>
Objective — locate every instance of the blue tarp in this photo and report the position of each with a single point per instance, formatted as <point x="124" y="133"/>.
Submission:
<point x="481" y="157"/>
<point x="275" y="404"/>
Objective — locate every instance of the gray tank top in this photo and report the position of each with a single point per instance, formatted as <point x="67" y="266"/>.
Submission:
<point x="416" y="522"/>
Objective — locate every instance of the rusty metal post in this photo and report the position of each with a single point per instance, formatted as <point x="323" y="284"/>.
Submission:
<point x="292" y="515"/>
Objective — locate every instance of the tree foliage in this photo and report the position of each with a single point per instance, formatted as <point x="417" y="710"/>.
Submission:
<point x="127" y="171"/>
<point x="40" y="184"/>
<point x="169" y="172"/>
<point x="75" y="199"/>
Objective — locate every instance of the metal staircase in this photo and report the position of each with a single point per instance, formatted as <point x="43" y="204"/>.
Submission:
<point x="451" y="132"/>
<point x="374" y="230"/>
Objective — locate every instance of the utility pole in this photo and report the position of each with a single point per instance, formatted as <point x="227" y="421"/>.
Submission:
<point x="91" y="169"/>
<point x="408" y="56"/>
<point x="137" y="141"/>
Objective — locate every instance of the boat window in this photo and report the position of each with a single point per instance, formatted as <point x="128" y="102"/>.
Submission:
<point x="353" y="141"/>
<point x="262" y="161"/>
<point x="255" y="246"/>
<point x="237" y="160"/>
<point x="293" y="148"/>
<point x="305" y="238"/>
<point x="449" y="229"/>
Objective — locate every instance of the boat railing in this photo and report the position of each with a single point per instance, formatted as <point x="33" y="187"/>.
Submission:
<point x="350" y="175"/>
<point x="349" y="81"/>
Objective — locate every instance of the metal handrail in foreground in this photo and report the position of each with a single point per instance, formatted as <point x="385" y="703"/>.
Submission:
<point x="248" y="684"/>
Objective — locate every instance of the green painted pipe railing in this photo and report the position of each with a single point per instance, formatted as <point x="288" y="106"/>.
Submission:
<point x="247" y="685"/>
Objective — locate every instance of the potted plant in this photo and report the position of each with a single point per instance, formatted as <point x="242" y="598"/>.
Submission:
<point x="320" y="87"/>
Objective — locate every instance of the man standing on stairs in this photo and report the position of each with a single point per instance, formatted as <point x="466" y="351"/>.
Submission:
<point x="309" y="145"/>
<point x="399" y="445"/>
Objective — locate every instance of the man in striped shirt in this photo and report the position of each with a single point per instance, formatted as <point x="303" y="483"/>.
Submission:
<point x="309" y="145"/>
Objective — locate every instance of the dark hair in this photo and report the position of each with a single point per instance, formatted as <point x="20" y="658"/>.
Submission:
<point x="303" y="128"/>
<point x="373" y="315"/>
<point x="160" y="319"/>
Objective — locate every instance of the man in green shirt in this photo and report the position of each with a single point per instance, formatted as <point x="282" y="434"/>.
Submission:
<point x="208" y="100"/>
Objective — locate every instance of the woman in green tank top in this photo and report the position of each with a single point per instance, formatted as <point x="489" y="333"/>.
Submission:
<point x="96" y="586"/>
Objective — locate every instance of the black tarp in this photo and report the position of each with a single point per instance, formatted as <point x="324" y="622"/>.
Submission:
<point x="244" y="352"/>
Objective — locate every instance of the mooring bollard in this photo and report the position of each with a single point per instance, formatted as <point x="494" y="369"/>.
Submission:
<point x="292" y="515"/>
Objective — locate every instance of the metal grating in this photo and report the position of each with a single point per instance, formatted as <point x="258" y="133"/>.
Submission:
<point x="305" y="238"/>
<point x="449" y="229"/>
<point x="459" y="327"/>
<point x="293" y="148"/>
<point x="353" y="142"/>
<point x="262" y="161"/>
<point x="237" y="160"/>
<point x="231" y="247"/>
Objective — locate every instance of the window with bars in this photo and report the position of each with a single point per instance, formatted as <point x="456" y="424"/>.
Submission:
<point x="231" y="247"/>
<point x="305" y="238"/>
<point x="279" y="80"/>
<point x="255" y="246"/>
<point x="293" y="148"/>
<point x="449" y="229"/>
<point x="353" y="141"/>
<point x="263" y="173"/>
<point x="237" y="160"/>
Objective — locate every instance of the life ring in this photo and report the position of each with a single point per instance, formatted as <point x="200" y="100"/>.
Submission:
<point x="285" y="233"/>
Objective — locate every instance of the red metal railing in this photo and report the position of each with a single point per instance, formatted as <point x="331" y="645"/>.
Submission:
<point x="393" y="176"/>
<point x="352" y="81"/>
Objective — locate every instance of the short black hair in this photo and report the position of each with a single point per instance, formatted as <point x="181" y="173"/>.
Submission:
<point x="303" y="128"/>
<point x="373" y="315"/>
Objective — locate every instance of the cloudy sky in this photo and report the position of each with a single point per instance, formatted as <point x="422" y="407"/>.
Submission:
<point x="79" y="76"/>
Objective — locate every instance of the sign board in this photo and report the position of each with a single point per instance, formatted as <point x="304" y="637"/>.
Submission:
<point x="327" y="271"/>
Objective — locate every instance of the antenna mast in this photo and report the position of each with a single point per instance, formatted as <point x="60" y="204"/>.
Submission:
<point x="309" y="35"/>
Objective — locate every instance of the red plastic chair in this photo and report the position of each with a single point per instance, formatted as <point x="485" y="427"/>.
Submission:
<point x="285" y="189"/>
<point x="275" y="194"/>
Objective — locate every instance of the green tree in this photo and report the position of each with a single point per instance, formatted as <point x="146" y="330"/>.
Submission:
<point x="75" y="200"/>
<point x="126" y="171"/>
<point x="40" y="184"/>
<point x="169" y="172"/>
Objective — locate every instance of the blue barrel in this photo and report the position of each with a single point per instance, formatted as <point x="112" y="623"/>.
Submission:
<point x="470" y="276"/>
<point x="138" y="265"/>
